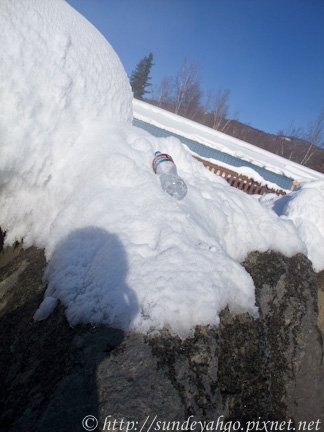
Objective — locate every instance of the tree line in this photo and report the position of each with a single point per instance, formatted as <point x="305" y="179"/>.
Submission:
<point x="182" y="95"/>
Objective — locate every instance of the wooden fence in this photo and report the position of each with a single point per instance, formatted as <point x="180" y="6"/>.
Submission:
<point x="244" y="183"/>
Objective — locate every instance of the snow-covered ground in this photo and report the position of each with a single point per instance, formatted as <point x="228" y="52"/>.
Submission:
<point x="76" y="179"/>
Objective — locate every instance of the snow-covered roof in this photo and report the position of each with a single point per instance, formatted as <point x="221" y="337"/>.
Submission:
<point x="237" y="150"/>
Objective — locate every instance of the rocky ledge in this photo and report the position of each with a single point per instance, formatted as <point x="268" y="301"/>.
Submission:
<point x="246" y="369"/>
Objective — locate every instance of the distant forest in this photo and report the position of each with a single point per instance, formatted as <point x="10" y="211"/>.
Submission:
<point x="182" y="95"/>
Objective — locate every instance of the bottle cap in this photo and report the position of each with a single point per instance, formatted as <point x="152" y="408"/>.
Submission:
<point x="160" y="157"/>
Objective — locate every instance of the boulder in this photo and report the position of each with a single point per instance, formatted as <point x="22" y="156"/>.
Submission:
<point x="266" y="368"/>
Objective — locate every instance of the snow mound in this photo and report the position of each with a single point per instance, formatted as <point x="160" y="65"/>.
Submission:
<point x="57" y="74"/>
<point x="305" y="208"/>
<point x="76" y="179"/>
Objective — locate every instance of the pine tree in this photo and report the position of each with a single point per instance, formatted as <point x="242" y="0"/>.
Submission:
<point x="139" y="79"/>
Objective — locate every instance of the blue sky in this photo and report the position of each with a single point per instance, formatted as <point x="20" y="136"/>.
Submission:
<point x="268" y="53"/>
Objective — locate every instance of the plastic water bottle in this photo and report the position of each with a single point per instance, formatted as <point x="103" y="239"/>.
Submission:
<point x="171" y="183"/>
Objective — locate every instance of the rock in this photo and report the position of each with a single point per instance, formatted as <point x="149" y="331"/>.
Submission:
<point x="320" y="283"/>
<point x="9" y="252"/>
<point x="191" y="366"/>
<point x="2" y="236"/>
<point x="247" y="368"/>
<point x="286" y="293"/>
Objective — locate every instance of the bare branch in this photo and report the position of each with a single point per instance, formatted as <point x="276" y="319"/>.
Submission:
<point x="187" y="89"/>
<point x="315" y="136"/>
<point x="217" y="105"/>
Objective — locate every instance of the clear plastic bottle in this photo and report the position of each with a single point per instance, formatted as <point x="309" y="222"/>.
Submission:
<point x="171" y="183"/>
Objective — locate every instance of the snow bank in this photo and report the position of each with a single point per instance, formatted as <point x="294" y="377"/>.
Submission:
<point x="57" y="74"/>
<point x="305" y="208"/>
<point x="76" y="179"/>
<point x="131" y="256"/>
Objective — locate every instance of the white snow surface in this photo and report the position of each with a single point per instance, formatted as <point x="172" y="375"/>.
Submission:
<point x="305" y="208"/>
<point x="57" y="74"/>
<point x="76" y="179"/>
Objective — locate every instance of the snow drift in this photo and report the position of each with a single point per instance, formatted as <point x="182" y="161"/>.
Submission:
<point x="305" y="208"/>
<point x="76" y="179"/>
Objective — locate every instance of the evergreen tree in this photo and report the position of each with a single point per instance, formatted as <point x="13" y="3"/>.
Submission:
<point x="139" y="79"/>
